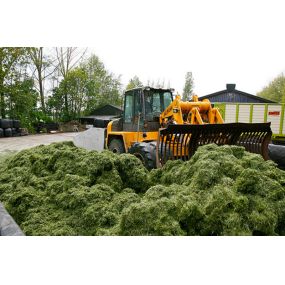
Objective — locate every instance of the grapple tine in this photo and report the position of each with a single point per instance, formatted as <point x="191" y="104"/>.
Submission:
<point x="182" y="141"/>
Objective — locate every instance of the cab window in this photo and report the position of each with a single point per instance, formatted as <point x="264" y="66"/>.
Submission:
<point x="129" y="104"/>
<point x="138" y="102"/>
<point x="157" y="101"/>
<point x="167" y="99"/>
<point x="156" y="106"/>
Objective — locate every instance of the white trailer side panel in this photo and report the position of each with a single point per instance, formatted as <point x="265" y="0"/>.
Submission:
<point x="258" y="113"/>
<point x="244" y="114"/>
<point x="274" y="116"/>
<point x="230" y="113"/>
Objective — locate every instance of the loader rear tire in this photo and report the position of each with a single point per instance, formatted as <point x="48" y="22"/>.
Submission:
<point x="146" y="152"/>
<point x="117" y="146"/>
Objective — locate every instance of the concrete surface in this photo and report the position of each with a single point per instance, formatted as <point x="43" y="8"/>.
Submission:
<point x="24" y="142"/>
<point x="92" y="139"/>
<point x="8" y="226"/>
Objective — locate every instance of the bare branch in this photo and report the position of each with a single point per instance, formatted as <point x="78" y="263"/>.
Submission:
<point x="68" y="58"/>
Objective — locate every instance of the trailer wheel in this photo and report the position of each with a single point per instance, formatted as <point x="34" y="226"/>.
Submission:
<point x="146" y="152"/>
<point x="116" y="146"/>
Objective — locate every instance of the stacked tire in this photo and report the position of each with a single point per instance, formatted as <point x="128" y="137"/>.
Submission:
<point x="9" y="128"/>
<point x="16" y="128"/>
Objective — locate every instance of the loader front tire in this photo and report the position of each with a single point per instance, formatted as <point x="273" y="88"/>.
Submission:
<point x="117" y="146"/>
<point x="146" y="152"/>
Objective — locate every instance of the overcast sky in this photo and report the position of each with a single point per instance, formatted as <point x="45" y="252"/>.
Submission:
<point x="220" y="41"/>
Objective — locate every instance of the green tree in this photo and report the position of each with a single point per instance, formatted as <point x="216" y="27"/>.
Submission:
<point x="103" y="86"/>
<point x="275" y="90"/>
<point x="68" y="58"/>
<point x="134" y="83"/>
<point x="188" y="87"/>
<point x="83" y="89"/>
<point x="22" y="102"/>
<point x="55" y="104"/>
<point x="70" y="98"/>
<point x="10" y="57"/>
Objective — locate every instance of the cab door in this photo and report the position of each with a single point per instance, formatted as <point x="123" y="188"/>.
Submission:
<point x="133" y="116"/>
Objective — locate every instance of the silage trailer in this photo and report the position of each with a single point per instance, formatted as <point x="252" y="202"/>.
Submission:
<point x="256" y="113"/>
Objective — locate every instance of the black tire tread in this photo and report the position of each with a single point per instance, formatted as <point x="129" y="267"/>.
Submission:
<point x="16" y="124"/>
<point x="8" y="132"/>
<point x="146" y="151"/>
<point x="6" y="123"/>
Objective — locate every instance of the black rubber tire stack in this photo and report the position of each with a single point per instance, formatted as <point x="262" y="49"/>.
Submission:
<point x="146" y="152"/>
<point x="8" y="132"/>
<point x="16" y="124"/>
<point x="14" y="132"/>
<point x="9" y="128"/>
<point x="6" y="123"/>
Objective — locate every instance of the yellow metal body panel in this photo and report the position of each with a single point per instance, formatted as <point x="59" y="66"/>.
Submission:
<point x="129" y="138"/>
<point x="195" y="112"/>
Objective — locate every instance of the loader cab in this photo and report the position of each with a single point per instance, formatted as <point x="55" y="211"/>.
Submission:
<point x="143" y="106"/>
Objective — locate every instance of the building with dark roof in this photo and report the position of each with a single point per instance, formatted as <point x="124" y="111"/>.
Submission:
<point x="100" y="117"/>
<point x="232" y="95"/>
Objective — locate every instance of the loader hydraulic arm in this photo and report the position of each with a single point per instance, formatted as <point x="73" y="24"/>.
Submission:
<point x="194" y="112"/>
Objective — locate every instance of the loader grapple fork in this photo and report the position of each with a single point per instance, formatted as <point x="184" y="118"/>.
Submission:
<point x="182" y="141"/>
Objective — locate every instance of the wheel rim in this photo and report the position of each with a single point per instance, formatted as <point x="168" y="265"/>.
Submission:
<point x="115" y="150"/>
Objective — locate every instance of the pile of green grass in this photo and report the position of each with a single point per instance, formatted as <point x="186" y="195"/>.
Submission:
<point x="64" y="190"/>
<point x="6" y="154"/>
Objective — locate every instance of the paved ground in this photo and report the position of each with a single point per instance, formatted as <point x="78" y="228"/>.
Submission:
<point x="8" y="226"/>
<point x="20" y="143"/>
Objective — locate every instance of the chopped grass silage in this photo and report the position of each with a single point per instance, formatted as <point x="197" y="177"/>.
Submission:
<point x="6" y="154"/>
<point x="60" y="189"/>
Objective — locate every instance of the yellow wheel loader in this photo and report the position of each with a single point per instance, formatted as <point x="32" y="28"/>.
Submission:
<point x="157" y="127"/>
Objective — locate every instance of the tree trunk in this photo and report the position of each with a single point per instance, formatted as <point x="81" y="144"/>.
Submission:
<point x="2" y="100"/>
<point x="39" y="68"/>
<point x="41" y="91"/>
<point x="2" y="104"/>
<point x="66" y="103"/>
